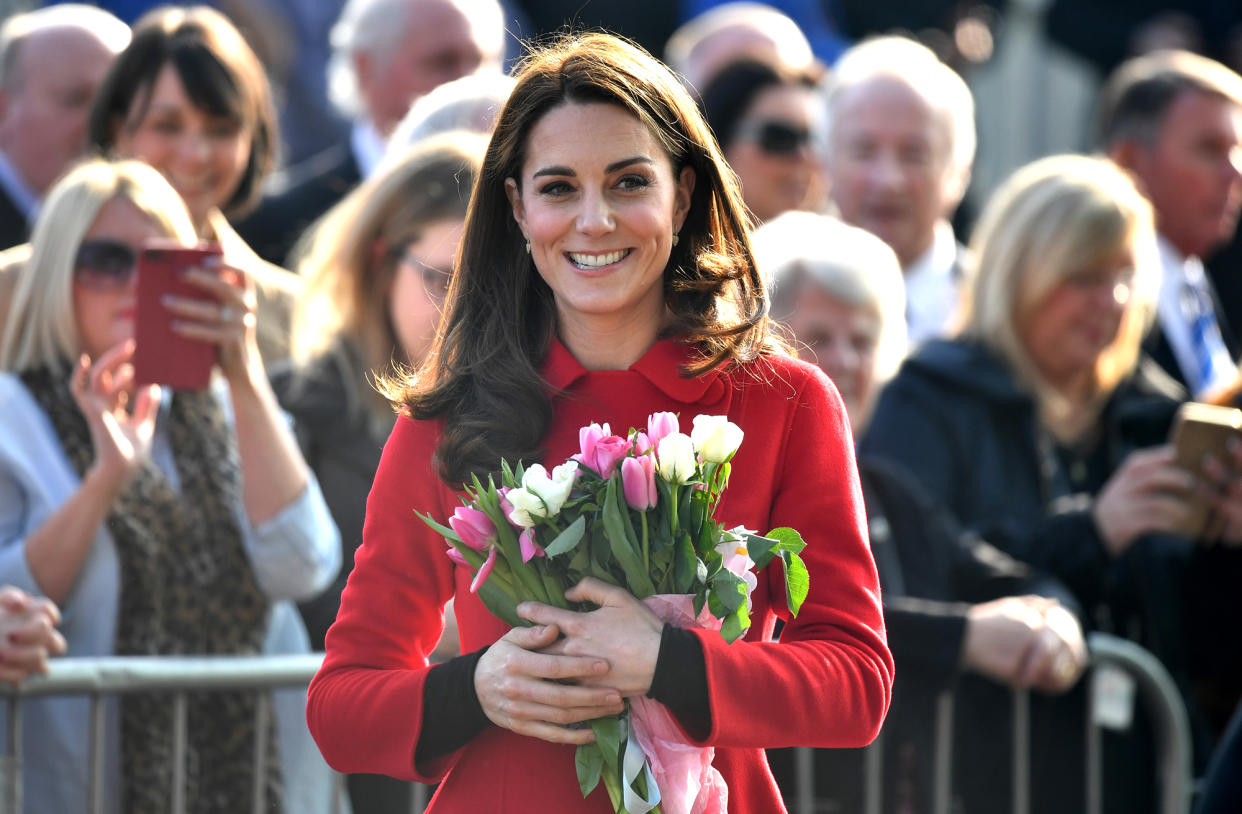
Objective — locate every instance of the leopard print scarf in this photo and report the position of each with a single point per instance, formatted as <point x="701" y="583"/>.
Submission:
<point x="187" y="588"/>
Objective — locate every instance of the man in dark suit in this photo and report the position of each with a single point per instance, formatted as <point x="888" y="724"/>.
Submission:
<point x="1174" y="120"/>
<point x="386" y="54"/>
<point x="51" y="62"/>
<point x="901" y="140"/>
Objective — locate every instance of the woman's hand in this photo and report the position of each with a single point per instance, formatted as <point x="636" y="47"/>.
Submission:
<point x="1222" y="484"/>
<point x="1148" y="493"/>
<point x="623" y="632"/>
<point x="226" y="320"/>
<point x="28" y="634"/>
<point x="121" y="438"/>
<point x="535" y="694"/>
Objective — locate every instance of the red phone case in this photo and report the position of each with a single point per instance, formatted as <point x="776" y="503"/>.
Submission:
<point x="162" y="356"/>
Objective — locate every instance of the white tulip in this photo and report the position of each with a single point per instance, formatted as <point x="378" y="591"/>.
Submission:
<point x="541" y="495"/>
<point x="715" y="438"/>
<point x="676" y="456"/>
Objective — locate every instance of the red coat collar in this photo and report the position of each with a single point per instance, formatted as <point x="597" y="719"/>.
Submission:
<point x="661" y="365"/>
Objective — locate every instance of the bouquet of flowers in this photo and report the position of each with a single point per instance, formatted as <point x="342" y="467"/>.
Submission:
<point x="638" y="512"/>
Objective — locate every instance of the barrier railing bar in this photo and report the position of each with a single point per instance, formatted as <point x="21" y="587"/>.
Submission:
<point x="262" y="710"/>
<point x="1021" y="752"/>
<point x="873" y="766"/>
<point x="338" y="789"/>
<point x="419" y="797"/>
<point x="943" y="769"/>
<point x="180" y="714"/>
<point x="95" y="790"/>
<point x="14" y="791"/>
<point x="1095" y="768"/>
<point x="125" y="674"/>
<point x="1162" y="701"/>
<point x="804" y="772"/>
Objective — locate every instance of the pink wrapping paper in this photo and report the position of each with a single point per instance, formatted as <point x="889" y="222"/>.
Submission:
<point x="688" y="782"/>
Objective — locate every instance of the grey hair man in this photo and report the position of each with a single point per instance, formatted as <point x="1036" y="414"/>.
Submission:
<point x="386" y="54"/>
<point x="900" y="143"/>
<point x="1174" y="120"/>
<point x="733" y="31"/>
<point x="51" y="62"/>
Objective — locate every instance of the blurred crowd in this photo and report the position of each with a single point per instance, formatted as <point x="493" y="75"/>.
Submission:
<point x="1012" y="351"/>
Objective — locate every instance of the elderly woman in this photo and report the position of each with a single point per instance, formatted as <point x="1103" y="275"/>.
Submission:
<point x="162" y="523"/>
<point x="1043" y="430"/>
<point x="605" y="273"/>
<point x="954" y="606"/>
<point x="190" y="98"/>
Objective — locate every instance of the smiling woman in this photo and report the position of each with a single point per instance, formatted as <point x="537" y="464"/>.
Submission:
<point x="190" y="98"/>
<point x="605" y="274"/>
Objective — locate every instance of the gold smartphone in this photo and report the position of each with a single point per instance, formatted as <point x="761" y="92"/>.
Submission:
<point x="1199" y="429"/>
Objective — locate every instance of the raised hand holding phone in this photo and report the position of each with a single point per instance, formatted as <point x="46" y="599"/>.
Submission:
<point x="193" y="312"/>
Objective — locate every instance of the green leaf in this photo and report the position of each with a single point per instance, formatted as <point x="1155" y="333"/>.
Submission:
<point x="789" y="539"/>
<point x="500" y="604"/>
<point x="589" y="761"/>
<point x="444" y="531"/>
<point x="568" y="539"/>
<point x="608" y="738"/>
<point x="761" y="549"/>
<point x="730" y="588"/>
<point x="797" y="581"/>
<point x="685" y="564"/>
<point x="620" y="534"/>
<point x="700" y="599"/>
<point x="735" y="624"/>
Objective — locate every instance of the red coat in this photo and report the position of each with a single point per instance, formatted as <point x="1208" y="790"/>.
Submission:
<point x="825" y="684"/>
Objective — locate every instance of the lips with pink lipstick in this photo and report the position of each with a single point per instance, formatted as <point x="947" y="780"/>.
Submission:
<point x="597" y="261"/>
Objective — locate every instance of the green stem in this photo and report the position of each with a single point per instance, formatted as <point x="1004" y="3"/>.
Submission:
<point x="613" y="784"/>
<point x="646" y="550"/>
<point x="672" y="518"/>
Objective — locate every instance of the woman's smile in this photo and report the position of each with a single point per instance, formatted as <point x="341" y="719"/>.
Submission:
<point x="597" y="261"/>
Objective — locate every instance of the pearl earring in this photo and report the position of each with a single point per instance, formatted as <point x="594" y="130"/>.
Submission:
<point x="528" y="247"/>
<point x="676" y="239"/>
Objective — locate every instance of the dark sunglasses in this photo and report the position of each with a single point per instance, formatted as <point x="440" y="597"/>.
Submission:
<point x="105" y="264"/>
<point x="775" y="137"/>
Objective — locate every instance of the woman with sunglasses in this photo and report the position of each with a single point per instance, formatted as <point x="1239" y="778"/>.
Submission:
<point x="190" y="98"/>
<point x="162" y="523"/>
<point x="768" y="121"/>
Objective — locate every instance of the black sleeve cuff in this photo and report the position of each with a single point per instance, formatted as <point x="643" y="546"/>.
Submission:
<point x="680" y="681"/>
<point x="452" y="714"/>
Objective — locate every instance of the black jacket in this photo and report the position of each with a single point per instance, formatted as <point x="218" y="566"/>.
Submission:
<point x="958" y="421"/>
<point x="296" y="199"/>
<point x="14" y="230"/>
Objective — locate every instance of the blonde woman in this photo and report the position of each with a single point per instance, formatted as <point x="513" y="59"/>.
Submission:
<point x="1043" y="430"/>
<point x="162" y="523"/>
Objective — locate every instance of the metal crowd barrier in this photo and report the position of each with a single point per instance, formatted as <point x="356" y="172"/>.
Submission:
<point x="97" y="678"/>
<point x="1155" y="690"/>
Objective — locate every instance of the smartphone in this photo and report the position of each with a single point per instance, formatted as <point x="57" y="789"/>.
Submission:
<point x="1199" y="429"/>
<point x="162" y="356"/>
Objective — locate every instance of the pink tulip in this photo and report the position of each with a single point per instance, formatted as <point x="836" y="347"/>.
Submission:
<point x="660" y="425"/>
<point x="609" y="452"/>
<point x="640" y="441"/>
<point x="484" y="571"/>
<point x="588" y="437"/>
<point x="456" y="556"/>
<point x="506" y="507"/>
<point x="638" y="482"/>
<point x="474" y="528"/>
<point x="530" y="549"/>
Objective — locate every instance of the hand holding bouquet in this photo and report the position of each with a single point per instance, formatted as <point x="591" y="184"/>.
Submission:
<point x="635" y="512"/>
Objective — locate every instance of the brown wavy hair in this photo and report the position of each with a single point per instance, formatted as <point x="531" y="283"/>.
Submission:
<point x="482" y="374"/>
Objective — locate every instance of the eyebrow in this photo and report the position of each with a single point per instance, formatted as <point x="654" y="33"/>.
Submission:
<point x="613" y="167"/>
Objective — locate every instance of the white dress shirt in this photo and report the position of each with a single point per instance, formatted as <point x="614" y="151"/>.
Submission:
<point x="1176" y="323"/>
<point x="933" y="288"/>
<point x="23" y="197"/>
